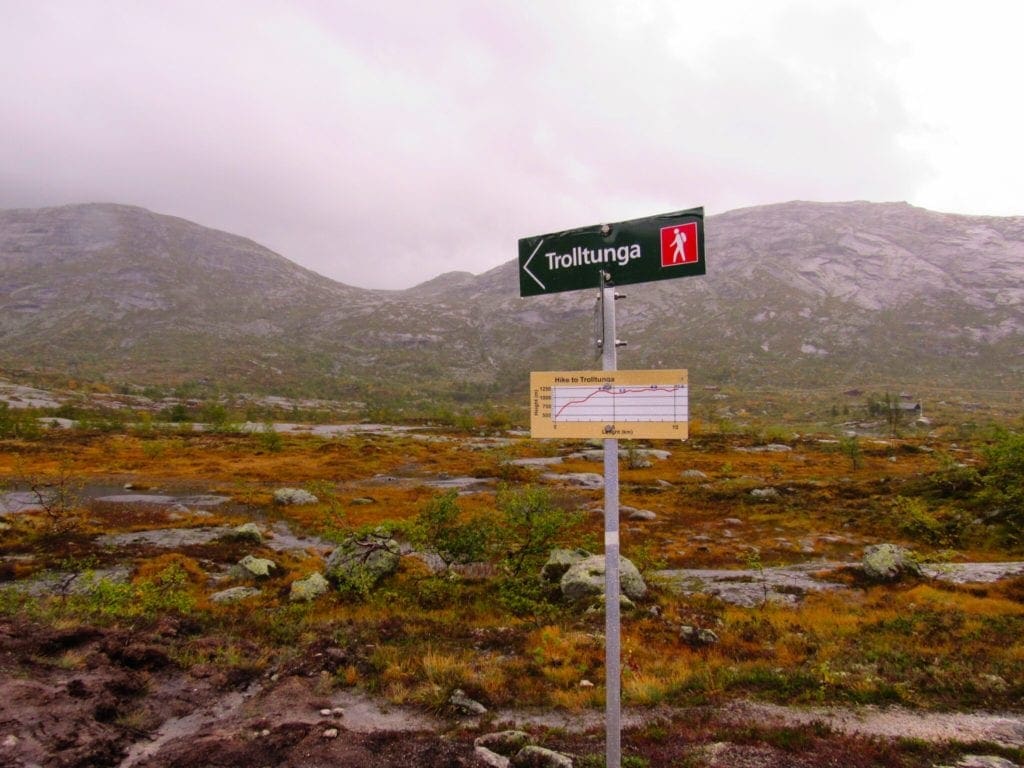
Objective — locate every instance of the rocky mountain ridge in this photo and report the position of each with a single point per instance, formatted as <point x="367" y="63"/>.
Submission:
<point x="796" y="295"/>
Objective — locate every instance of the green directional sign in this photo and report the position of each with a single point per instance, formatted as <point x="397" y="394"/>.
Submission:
<point x="638" y="251"/>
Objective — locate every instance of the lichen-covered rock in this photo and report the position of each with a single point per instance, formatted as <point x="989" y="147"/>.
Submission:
<point x="465" y="705"/>
<point x="258" y="567"/>
<point x="586" y="579"/>
<point x="361" y="562"/>
<point x="309" y="588"/>
<point x="888" y="562"/>
<point x="249" y="532"/>
<point x="294" y="497"/>
<point x="538" y="757"/>
<point x="560" y="561"/>
<point x="233" y="595"/>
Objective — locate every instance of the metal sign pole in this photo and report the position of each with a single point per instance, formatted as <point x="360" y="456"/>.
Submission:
<point x="612" y="639"/>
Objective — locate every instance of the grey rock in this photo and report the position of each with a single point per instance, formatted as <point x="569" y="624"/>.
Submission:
<point x="586" y="579"/>
<point x="465" y="705"/>
<point x="258" y="567"/>
<point x="888" y="562"/>
<point x="247" y="532"/>
<point x="642" y="514"/>
<point x="693" y="474"/>
<point x="697" y="636"/>
<point x="234" y="594"/>
<point x="309" y="588"/>
<point x="294" y="497"/>
<point x="770" y="448"/>
<point x="984" y="761"/>
<point x="765" y="494"/>
<point x="505" y="743"/>
<point x="560" y="561"/>
<point x="538" y="757"/>
<point x="590" y="480"/>
<point x="491" y="759"/>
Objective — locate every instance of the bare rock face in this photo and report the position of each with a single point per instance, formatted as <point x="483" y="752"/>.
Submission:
<point x="887" y="287"/>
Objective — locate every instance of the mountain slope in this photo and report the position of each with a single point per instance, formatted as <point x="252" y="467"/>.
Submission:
<point x="796" y="295"/>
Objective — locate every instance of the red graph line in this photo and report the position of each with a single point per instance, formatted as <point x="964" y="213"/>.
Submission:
<point x="613" y="392"/>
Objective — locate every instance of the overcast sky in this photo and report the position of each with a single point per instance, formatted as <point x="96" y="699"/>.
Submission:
<point x="383" y="143"/>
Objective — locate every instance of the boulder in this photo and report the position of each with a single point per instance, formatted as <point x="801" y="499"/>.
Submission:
<point x="560" y="561"/>
<point x="693" y="474"/>
<point x="309" y="588"/>
<point x="258" y="567"/>
<point x="765" y="494"/>
<point x="586" y="579"/>
<point x="888" y="562"/>
<point x="294" y="497"/>
<point x="361" y="562"/>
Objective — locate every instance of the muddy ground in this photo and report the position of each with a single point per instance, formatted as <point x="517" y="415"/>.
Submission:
<point x="82" y="696"/>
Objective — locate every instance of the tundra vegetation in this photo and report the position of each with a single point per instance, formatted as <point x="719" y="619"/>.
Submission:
<point x="466" y="610"/>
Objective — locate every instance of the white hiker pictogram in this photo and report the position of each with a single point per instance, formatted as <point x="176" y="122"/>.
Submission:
<point x="679" y="243"/>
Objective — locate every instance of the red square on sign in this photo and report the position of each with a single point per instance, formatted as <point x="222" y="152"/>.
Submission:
<point x="679" y="244"/>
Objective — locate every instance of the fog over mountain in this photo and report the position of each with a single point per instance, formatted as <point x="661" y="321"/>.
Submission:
<point x="798" y="294"/>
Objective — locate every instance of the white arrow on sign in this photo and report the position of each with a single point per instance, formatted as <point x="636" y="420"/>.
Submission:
<point x="526" y="266"/>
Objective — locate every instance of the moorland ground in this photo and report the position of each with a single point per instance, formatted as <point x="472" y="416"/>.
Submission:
<point x="112" y="626"/>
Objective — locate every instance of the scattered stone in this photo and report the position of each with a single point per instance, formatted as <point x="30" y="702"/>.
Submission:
<point x="325" y="712"/>
<point x="465" y="705"/>
<point x="770" y="448"/>
<point x="294" y="497"/>
<point x="491" y="759"/>
<point x="888" y="562"/>
<point x="560" y="561"/>
<point x="10" y="740"/>
<point x="984" y="761"/>
<point x="765" y="493"/>
<point x="309" y="588"/>
<point x="590" y="480"/>
<point x="696" y="636"/>
<point x="247" y="532"/>
<point x="732" y="521"/>
<point x="363" y="561"/>
<point x="641" y="514"/>
<point x="505" y="743"/>
<point x="542" y="461"/>
<point x="259" y="567"/>
<point x="538" y="757"/>
<point x="330" y="733"/>
<point x="586" y="684"/>
<point x="693" y="474"/>
<point x="234" y="594"/>
<point x="585" y="579"/>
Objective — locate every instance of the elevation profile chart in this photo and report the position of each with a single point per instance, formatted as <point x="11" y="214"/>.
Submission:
<point x="647" y="404"/>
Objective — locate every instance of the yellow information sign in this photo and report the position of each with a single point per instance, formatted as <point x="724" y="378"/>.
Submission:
<point x="610" y="404"/>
